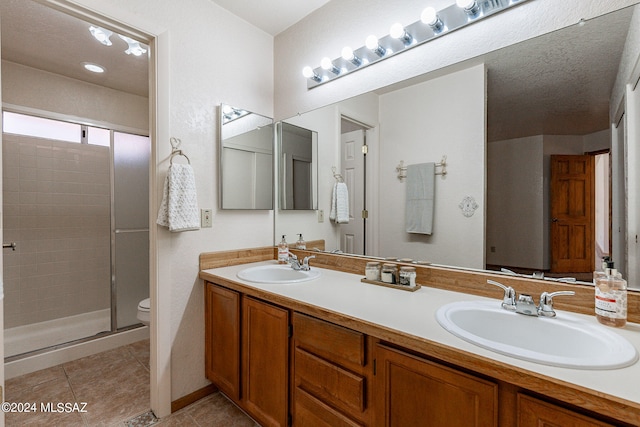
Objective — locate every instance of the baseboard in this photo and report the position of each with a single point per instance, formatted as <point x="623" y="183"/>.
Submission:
<point x="190" y="398"/>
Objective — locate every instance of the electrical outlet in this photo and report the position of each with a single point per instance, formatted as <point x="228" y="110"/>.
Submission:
<point x="320" y="215"/>
<point x="493" y="248"/>
<point x="205" y="218"/>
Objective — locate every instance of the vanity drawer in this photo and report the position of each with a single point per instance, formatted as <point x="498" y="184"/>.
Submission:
<point x="328" y="382"/>
<point x="326" y="340"/>
<point x="311" y="412"/>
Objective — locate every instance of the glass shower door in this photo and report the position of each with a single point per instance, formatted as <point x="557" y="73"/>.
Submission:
<point x="130" y="229"/>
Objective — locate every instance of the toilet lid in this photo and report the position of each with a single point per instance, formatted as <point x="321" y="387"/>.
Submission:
<point x="145" y="304"/>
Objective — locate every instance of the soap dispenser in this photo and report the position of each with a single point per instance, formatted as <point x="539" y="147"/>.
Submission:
<point x="300" y="244"/>
<point x="283" y="251"/>
<point x="611" y="298"/>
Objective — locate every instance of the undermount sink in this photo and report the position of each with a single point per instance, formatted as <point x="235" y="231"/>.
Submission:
<point x="564" y="341"/>
<point x="282" y="274"/>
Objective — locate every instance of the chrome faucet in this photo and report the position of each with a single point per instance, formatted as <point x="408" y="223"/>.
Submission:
<point x="295" y="263"/>
<point x="525" y="303"/>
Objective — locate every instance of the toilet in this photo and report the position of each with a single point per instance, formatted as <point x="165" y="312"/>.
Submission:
<point x="143" y="311"/>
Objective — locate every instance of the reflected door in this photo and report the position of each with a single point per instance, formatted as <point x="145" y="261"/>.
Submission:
<point x="572" y="214"/>
<point x="352" y="235"/>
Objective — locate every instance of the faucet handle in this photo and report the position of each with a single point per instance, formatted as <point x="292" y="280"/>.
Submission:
<point x="305" y="262"/>
<point x="509" y="298"/>
<point x="546" y="302"/>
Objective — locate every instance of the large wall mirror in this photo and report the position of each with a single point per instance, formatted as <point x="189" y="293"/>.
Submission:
<point x="501" y="120"/>
<point x="246" y="159"/>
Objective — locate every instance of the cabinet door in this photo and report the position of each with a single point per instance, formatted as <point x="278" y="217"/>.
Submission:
<point x="536" y="413"/>
<point x="411" y="391"/>
<point x="265" y="362"/>
<point x="222" y="339"/>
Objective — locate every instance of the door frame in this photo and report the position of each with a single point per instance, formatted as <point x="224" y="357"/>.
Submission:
<point x="157" y="39"/>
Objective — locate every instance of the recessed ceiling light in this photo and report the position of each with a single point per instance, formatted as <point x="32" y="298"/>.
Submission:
<point x="94" y="68"/>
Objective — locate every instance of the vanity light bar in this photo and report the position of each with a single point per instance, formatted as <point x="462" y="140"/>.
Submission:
<point x="456" y="16"/>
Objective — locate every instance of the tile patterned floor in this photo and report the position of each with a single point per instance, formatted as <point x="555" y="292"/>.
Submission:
<point x="115" y="387"/>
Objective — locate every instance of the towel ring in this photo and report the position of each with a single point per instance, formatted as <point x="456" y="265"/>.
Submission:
<point x="175" y="150"/>
<point x="178" y="153"/>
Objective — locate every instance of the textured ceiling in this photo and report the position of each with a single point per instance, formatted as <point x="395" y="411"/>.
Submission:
<point x="559" y="83"/>
<point x="41" y="37"/>
<point x="556" y="84"/>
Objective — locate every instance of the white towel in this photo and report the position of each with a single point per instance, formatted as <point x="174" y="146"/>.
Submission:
<point x="419" y="201"/>
<point x="179" y="207"/>
<point x="340" y="204"/>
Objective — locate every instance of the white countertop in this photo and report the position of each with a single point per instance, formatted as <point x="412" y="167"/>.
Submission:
<point x="413" y="313"/>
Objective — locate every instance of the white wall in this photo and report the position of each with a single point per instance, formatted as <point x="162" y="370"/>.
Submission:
<point x="450" y="111"/>
<point x="348" y="22"/>
<point x="515" y="232"/>
<point x="214" y="57"/>
<point x="518" y="179"/>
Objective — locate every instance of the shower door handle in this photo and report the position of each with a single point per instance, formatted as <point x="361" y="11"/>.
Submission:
<point x="11" y="245"/>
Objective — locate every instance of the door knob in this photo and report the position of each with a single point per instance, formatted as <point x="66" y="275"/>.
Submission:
<point x="11" y="245"/>
<point x="555" y="220"/>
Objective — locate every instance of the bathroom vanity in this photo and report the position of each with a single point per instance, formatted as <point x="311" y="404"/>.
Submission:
<point x="337" y="352"/>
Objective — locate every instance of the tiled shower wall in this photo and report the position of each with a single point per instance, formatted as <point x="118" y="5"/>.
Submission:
<point x="57" y="209"/>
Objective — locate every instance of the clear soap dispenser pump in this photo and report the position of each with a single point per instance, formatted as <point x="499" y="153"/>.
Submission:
<point x="301" y="244"/>
<point x="611" y="298"/>
<point x="283" y="251"/>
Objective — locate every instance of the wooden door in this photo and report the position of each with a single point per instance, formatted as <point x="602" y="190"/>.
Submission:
<point x="572" y="214"/>
<point x="265" y="362"/>
<point x="352" y="235"/>
<point x="411" y="391"/>
<point x="536" y="413"/>
<point x="222" y="339"/>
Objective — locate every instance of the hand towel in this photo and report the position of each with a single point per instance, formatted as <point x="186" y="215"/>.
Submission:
<point x="419" y="201"/>
<point x="340" y="204"/>
<point x="179" y="208"/>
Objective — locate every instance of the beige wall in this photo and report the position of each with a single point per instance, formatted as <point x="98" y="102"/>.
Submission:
<point x="40" y="90"/>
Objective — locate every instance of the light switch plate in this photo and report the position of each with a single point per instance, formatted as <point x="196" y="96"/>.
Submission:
<point x="320" y="215"/>
<point x="205" y="218"/>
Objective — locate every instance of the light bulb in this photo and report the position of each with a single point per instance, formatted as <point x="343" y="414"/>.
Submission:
<point x="101" y="34"/>
<point x="429" y="16"/>
<point x="372" y="42"/>
<point x="465" y="4"/>
<point x="308" y="72"/>
<point x="396" y="31"/>
<point x="470" y="6"/>
<point x="326" y="63"/>
<point x="347" y="53"/>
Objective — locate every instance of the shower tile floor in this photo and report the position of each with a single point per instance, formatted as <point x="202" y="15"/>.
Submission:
<point x="115" y="387"/>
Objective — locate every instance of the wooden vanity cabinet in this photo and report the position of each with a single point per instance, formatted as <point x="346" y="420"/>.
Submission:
<point x="265" y="362"/>
<point x="222" y="339"/>
<point x="412" y="391"/>
<point x="247" y="353"/>
<point x="332" y="373"/>
<point x="533" y="412"/>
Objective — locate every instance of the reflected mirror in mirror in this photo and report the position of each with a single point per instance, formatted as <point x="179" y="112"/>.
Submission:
<point x="246" y="159"/>
<point x="562" y="93"/>
<point x="297" y="148"/>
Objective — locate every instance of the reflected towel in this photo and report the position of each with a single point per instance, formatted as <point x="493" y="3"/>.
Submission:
<point x="419" y="201"/>
<point x="179" y="208"/>
<point x="340" y="204"/>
